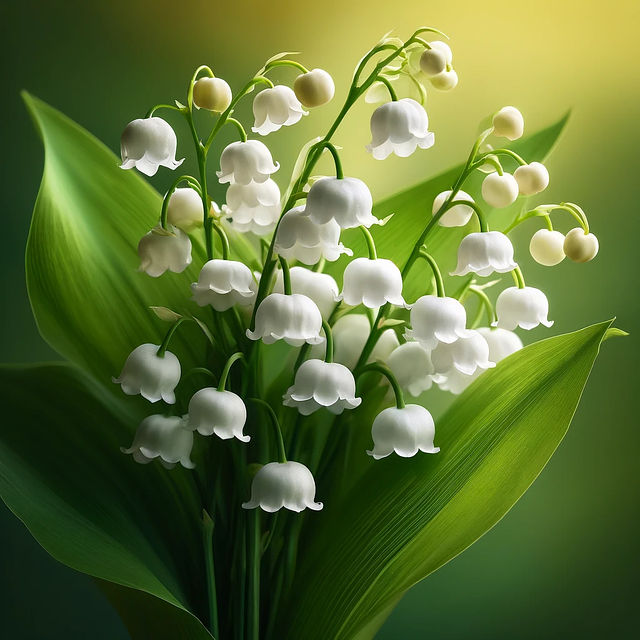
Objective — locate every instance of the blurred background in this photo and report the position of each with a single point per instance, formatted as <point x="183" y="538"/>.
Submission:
<point x="563" y="563"/>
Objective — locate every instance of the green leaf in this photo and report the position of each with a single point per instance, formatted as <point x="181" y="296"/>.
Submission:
<point x="90" y="506"/>
<point x="405" y="518"/>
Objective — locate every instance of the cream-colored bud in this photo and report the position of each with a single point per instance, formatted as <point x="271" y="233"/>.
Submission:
<point x="546" y="247"/>
<point x="580" y="246"/>
<point x="213" y="94"/>
<point x="314" y="88"/>
<point x="531" y="178"/>
<point x="433" y="62"/>
<point x="508" y="123"/>
<point x="445" y="81"/>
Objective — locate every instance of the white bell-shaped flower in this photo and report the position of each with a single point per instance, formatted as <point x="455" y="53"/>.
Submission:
<point x="483" y="253"/>
<point x="547" y="247"/>
<point x="531" y="178"/>
<point x="293" y="318"/>
<point x="253" y="207"/>
<point x="299" y="238"/>
<point x="405" y="431"/>
<point x="220" y="412"/>
<point x="212" y="94"/>
<point x="153" y="377"/>
<point x="164" y="250"/>
<point x="283" y="484"/>
<point x="185" y="209"/>
<point x="458" y="215"/>
<point x="465" y="355"/>
<point x="435" y="319"/>
<point x="275" y="108"/>
<point x="411" y="365"/>
<point x="314" y="88"/>
<point x="399" y="127"/>
<point x="526" y="308"/>
<point x="508" y="123"/>
<point x="147" y="144"/>
<point x="500" y="191"/>
<point x="320" y="287"/>
<point x="346" y="201"/>
<point x="162" y="437"/>
<point x="222" y="284"/>
<point x="322" y="385"/>
<point x="580" y="246"/>
<point x="244" y="162"/>
<point x="372" y="283"/>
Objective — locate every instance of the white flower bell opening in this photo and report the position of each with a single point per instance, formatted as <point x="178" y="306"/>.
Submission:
<point x="435" y="319"/>
<point x="580" y="246"/>
<point x="500" y="191"/>
<point x="372" y="283"/>
<point x="153" y="377"/>
<point x="163" y="250"/>
<point x="547" y="247"/>
<point x="185" y="209"/>
<point x="299" y="238"/>
<point x="405" y="431"/>
<point x="411" y="365"/>
<point x="244" y="162"/>
<point x="222" y="284"/>
<point x="254" y="207"/>
<point x="147" y="144"/>
<point x="276" y="108"/>
<point x="320" y="287"/>
<point x="458" y="215"/>
<point x="289" y="485"/>
<point x="212" y="94"/>
<point x="483" y="253"/>
<point x="508" y="123"/>
<point x="346" y="201"/>
<point x="162" y="437"/>
<point x="293" y="318"/>
<point x="322" y="385"/>
<point x="531" y="178"/>
<point x="465" y="355"/>
<point x="314" y="88"/>
<point x="526" y="308"/>
<point x="220" y="412"/>
<point x="399" y="127"/>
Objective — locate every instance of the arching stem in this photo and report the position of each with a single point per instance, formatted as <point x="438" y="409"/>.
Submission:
<point x="282" y="456"/>
<point x="167" y="338"/>
<point x="227" y="367"/>
<point x="436" y="272"/>
<point x="386" y="372"/>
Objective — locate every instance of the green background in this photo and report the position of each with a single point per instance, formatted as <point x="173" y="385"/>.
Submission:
<point x="563" y="563"/>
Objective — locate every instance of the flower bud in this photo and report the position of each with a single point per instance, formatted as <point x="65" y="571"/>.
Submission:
<point x="531" y="178"/>
<point x="320" y="287"/>
<point x="508" y="123"/>
<point x="253" y="207"/>
<point x="435" y="320"/>
<point x="500" y="191"/>
<point x="185" y="209"/>
<point x="212" y="94"/>
<point x="399" y="127"/>
<point x="445" y="48"/>
<point x="526" y="308"/>
<point x="445" y="81"/>
<point x="275" y="108"/>
<point x="458" y="215"/>
<point x="161" y="250"/>
<point x="580" y="246"/>
<point x="412" y="367"/>
<point x="222" y="284"/>
<point x="483" y="253"/>
<point x="432" y="62"/>
<point x="220" y="412"/>
<point x="372" y="283"/>
<point x="283" y="484"/>
<point x="322" y="385"/>
<point x="405" y="431"/>
<point x="315" y="88"/>
<point x="162" y="437"/>
<point x="147" y="144"/>
<point x="546" y="247"/>
<point x="153" y="377"/>
<point x="244" y="162"/>
<point x="466" y="355"/>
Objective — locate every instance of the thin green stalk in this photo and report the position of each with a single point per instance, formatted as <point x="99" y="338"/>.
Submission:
<point x="282" y="456"/>
<point x="390" y="89"/>
<point x="161" y="106"/>
<point x="167" y="338"/>
<point x="436" y="272"/>
<point x="387" y="373"/>
<point x="224" y="239"/>
<point x="285" y="63"/>
<point x="238" y="125"/>
<point x="371" y="246"/>
<point x="518" y="277"/>
<point x="329" y="338"/>
<point x="286" y="275"/>
<point x="207" y="524"/>
<point x="486" y="303"/>
<point x="227" y="367"/>
<point x="253" y="582"/>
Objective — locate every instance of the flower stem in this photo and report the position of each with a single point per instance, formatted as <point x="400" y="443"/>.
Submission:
<point x="253" y="586"/>
<point x="223" y="238"/>
<point x="167" y="338"/>
<point x="282" y="456"/>
<point x="518" y="277"/>
<point x="390" y="89"/>
<point x="325" y="144"/>
<point x="378" y="367"/>
<point x="286" y="275"/>
<point x="486" y="302"/>
<point x="207" y="523"/>
<point x="329" y="337"/>
<point x="239" y="127"/>
<point x="285" y="63"/>
<point x="161" y="106"/>
<point x="371" y="246"/>
<point x="436" y="272"/>
<point x="227" y="367"/>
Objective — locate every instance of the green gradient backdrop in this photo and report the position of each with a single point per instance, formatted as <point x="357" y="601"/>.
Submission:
<point x="563" y="563"/>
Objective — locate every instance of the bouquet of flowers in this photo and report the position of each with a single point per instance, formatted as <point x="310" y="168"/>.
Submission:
<point x="279" y="374"/>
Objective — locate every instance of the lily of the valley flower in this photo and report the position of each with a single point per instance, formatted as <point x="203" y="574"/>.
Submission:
<point x="275" y="108"/>
<point x="432" y="62"/>
<point x="372" y="283"/>
<point x="399" y="127"/>
<point x="465" y="355"/>
<point x="405" y="431"/>
<point x="222" y="284"/>
<point x="435" y="319"/>
<point x="299" y="238"/>
<point x="314" y="88"/>
<point x="500" y="191"/>
<point x="531" y="178"/>
<point x="293" y="318"/>
<point x="445" y="81"/>
<point x="411" y="365"/>
<point x="508" y="123"/>
<point x="346" y="201"/>
<point x="320" y="287"/>
<point x="288" y="485"/>
<point x="322" y="385"/>
<point x="254" y="207"/>
<point x="483" y="253"/>
<point x="547" y="247"/>
<point x="213" y="94"/>
<point x="244" y="162"/>
<point x="185" y="209"/>
<point x="580" y="246"/>
<point x="526" y="308"/>
<point x="458" y="215"/>
<point x="162" y="437"/>
<point x="220" y="412"/>
<point x="149" y="143"/>
<point x="163" y="250"/>
<point x="152" y="376"/>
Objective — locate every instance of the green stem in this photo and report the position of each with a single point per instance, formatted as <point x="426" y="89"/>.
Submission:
<point x="518" y="277"/>
<point x="238" y="125"/>
<point x="494" y="162"/>
<point x="371" y="247"/>
<point x="197" y="370"/>
<point x="285" y="63"/>
<point x="286" y="275"/>
<point x="488" y="306"/>
<point x="211" y="577"/>
<point x="386" y="372"/>
<point x="329" y="337"/>
<point x="227" y="367"/>
<point x="162" y="106"/>
<point x="503" y="152"/>
<point x="436" y="272"/>
<point x="223" y="238"/>
<point x="390" y="89"/>
<point x="282" y="456"/>
<point x="167" y="338"/>
<point x="191" y="181"/>
<point x="253" y="582"/>
<point x="325" y="144"/>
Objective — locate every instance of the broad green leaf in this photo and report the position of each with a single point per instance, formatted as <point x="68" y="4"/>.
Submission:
<point x="405" y="518"/>
<point x="90" y="506"/>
